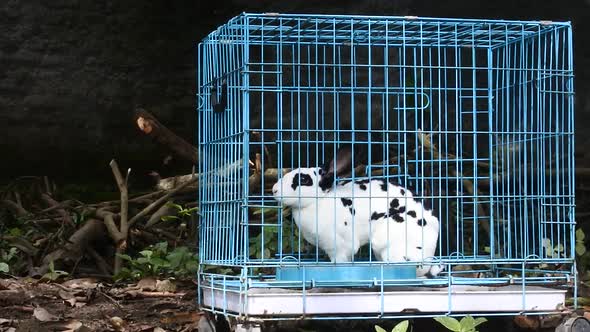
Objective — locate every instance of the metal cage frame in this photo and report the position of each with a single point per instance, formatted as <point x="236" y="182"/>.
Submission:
<point x="475" y="116"/>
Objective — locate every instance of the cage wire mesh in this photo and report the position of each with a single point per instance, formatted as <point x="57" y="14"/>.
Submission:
<point x="473" y="117"/>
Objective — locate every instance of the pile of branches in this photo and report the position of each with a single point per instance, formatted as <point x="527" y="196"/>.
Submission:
<point x="55" y="233"/>
<point x="59" y="233"/>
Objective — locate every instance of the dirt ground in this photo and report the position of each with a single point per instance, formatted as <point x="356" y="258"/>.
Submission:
<point x="89" y="304"/>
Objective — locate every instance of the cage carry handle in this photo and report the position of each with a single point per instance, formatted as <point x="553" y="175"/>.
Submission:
<point x="219" y="104"/>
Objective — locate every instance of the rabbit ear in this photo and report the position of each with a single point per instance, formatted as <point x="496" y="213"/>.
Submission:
<point x="340" y="165"/>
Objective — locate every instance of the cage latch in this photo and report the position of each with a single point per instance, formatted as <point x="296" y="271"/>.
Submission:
<point x="219" y="102"/>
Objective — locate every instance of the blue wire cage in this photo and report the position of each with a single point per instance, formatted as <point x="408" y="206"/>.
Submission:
<point x="475" y="117"/>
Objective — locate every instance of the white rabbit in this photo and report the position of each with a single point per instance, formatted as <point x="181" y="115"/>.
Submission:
<point x="340" y="218"/>
<point x="325" y="219"/>
<point x="407" y="233"/>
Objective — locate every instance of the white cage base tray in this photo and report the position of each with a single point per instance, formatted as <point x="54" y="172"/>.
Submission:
<point x="322" y="301"/>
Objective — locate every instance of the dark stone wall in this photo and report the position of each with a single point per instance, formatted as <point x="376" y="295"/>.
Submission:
<point x="71" y="72"/>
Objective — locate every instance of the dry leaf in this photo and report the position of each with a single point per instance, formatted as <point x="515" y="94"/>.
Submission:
<point x="147" y="284"/>
<point x="76" y="326"/>
<point x="159" y="329"/>
<point x="118" y="323"/>
<point x="67" y="297"/>
<point x="182" y="317"/>
<point x="84" y="283"/>
<point x="165" y="286"/>
<point x="43" y="315"/>
<point x="71" y="301"/>
<point x="4" y="321"/>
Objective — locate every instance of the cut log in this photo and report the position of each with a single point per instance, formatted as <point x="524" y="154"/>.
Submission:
<point x="150" y="126"/>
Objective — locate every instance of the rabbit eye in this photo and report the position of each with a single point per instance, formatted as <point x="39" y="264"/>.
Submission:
<point x="301" y="179"/>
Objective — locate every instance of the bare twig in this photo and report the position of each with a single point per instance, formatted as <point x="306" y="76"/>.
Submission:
<point x="18" y="199"/>
<point x="47" y="186"/>
<point x="19" y="211"/>
<point x="124" y="225"/>
<point x="109" y="222"/>
<point x="159" y="202"/>
<point x="67" y="219"/>
<point x="156" y="217"/>
<point x="58" y="206"/>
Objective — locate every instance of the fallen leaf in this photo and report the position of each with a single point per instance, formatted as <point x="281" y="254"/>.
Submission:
<point x="182" y="317"/>
<point x="76" y="326"/>
<point x="84" y="283"/>
<point x="4" y="321"/>
<point x="79" y="304"/>
<point x="165" y="286"/>
<point x="43" y="315"/>
<point x="118" y="323"/>
<point x="144" y="328"/>
<point x="71" y="301"/>
<point x="66" y="295"/>
<point x="159" y="329"/>
<point x="11" y="329"/>
<point x="147" y="284"/>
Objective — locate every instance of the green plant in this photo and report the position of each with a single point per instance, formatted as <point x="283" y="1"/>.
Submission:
<point x="580" y="246"/>
<point x="53" y="274"/>
<point x="552" y="251"/>
<point x="182" y="212"/>
<point x="7" y="258"/>
<point x="582" y="255"/>
<point x="399" y="327"/>
<point x="466" y="324"/>
<point x="266" y="243"/>
<point x="158" y="260"/>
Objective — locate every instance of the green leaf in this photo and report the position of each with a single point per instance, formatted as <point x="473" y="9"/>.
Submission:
<point x="192" y="266"/>
<point x="580" y="249"/>
<point x="161" y="247"/>
<point x="4" y="268"/>
<point x="379" y="329"/>
<point x="401" y="327"/>
<point x="175" y="259"/>
<point x="449" y="322"/>
<point x="174" y="205"/>
<point x="479" y="320"/>
<point x="15" y="232"/>
<point x="143" y="260"/>
<point x="125" y="257"/>
<point x="467" y="324"/>
<point x="580" y="235"/>
<point x="159" y="262"/>
<point x="169" y="218"/>
<point x="547" y="244"/>
<point x="146" y="253"/>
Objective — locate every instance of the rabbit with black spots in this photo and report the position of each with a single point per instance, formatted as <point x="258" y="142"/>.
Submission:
<point x="341" y="217"/>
